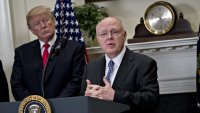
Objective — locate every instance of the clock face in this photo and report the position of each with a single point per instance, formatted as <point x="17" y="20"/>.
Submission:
<point x="159" y="18"/>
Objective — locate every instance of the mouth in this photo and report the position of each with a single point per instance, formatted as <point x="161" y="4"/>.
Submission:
<point x="45" y="32"/>
<point x="110" y="44"/>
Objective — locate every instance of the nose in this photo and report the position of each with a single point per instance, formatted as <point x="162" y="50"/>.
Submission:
<point x="110" y="36"/>
<point x="43" y="25"/>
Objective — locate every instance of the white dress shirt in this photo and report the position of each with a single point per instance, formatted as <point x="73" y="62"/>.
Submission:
<point x="51" y="43"/>
<point x="117" y="60"/>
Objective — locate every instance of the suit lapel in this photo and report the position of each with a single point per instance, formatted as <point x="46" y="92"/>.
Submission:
<point x="50" y="67"/>
<point x="101" y="71"/>
<point x="36" y="58"/>
<point x="51" y="62"/>
<point x="125" y="66"/>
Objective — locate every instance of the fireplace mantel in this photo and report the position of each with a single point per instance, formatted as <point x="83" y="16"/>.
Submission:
<point x="176" y="60"/>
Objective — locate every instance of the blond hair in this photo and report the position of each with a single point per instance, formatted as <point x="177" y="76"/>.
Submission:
<point x="37" y="11"/>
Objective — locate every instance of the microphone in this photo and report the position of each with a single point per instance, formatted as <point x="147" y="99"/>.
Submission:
<point x="54" y="52"/>
<point x="62" y="42"/>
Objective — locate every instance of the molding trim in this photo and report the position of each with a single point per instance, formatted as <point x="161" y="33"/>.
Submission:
<point x="153" y="45"/>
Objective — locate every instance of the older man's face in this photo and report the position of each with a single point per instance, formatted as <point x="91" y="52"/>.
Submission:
<point x="111" y="36"/>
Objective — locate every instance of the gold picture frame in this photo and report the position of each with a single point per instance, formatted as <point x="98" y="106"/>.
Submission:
<point x="88" y="1"/>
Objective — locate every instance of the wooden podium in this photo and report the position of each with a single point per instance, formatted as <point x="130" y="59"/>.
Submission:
<point x="80" y="104"/>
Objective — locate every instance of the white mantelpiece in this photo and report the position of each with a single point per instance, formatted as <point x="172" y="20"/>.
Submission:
<point x="176" y="60"/>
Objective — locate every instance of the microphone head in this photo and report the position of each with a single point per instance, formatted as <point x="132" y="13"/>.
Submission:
<point x="62" y="42"/>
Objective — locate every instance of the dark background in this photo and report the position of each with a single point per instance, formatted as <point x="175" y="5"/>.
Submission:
<point x="178" y="103"/>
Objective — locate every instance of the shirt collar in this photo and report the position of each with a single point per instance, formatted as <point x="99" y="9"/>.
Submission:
<point x="51" y="42"/>
<point x="117" y="60"/>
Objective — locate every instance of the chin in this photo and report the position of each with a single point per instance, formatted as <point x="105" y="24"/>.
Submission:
<point x="47" y="36"/>
<point x="110" y="52"/>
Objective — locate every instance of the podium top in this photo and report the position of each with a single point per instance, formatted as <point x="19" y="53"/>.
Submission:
<point x="80" y="104"/>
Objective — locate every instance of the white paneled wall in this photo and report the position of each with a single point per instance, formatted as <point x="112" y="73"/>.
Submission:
<point x="6" y="38"/>
<point x="129" y="11"/>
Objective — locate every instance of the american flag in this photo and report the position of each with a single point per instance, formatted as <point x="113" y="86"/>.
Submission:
<point x="66" y="23"/>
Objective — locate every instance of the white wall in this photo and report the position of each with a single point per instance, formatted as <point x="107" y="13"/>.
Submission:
<point x="129" y="11"/>
<point x="6" y="38"/>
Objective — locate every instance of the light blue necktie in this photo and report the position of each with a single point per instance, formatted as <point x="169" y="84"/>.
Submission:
<point x="110" y="66"/>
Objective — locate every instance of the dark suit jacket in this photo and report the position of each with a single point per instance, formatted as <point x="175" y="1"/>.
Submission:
<point x="63" y="73"/>
<point x="135" y="83"/>
<point x="4" y="95"/>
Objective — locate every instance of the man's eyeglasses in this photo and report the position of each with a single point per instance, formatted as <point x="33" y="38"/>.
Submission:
<point x="114" y="33"/>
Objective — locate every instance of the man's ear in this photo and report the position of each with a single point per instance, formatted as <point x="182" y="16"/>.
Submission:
<point x="125" y="35"/>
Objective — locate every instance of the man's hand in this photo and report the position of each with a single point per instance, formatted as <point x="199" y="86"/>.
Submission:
<point x="107" y="91"/>
<point x="96" y="91"/>
<point x="92" y="90"/>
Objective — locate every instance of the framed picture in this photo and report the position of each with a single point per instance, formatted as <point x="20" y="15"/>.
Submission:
<point x="87" y="1"/>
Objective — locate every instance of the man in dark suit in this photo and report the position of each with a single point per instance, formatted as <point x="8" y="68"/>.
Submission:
<point x="64" y="69"/>
<point x="121" y="75"/>
<point x="4" y="95"/>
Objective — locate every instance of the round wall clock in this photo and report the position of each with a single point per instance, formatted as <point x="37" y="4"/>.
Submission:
<point x="159" y="17"/>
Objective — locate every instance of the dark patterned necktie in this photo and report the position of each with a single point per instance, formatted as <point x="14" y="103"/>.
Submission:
<point x="45" y="54"/>
<point x="110" y="70"/>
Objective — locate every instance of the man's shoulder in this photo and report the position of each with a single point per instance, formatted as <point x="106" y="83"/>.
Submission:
<point x="72" y="46"/>
<point x="97" y="62"/>
<point x="28" y="45"/>
<point x="142" y="56"/>
<point x="74" y="43"/>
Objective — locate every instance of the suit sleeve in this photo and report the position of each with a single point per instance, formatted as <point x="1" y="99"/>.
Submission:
<point x="147" y="95"/>
<point x="83" y="83"/>
<point x="4" y="95"/>
<point x="73" y="87"/>
<point x="19" y="90"/>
